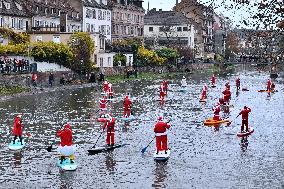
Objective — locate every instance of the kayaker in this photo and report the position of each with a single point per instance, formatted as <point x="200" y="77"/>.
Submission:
<point x="204" y="92"/>
<point x="109" y="126"/>
<point x="166" y="84"/>
<point x="183" y="82"/>
<point x="161" y="135"/>
<point x="127" y="106"/>
<point x="245" y="112"/>
<point x="213" y="80"/>
<point x="216" y="109"/>
<point x="105" y="86"/>
<point x="238" y="83"/>
<point x="162" y="92"/>
<point x="66" y="148"/>
<point x="17" y="128"/>
<point x="268" y="85"/>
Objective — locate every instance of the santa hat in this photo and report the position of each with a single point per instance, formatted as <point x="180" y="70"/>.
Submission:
<point x="160" y="118"/>
<point x="19" y="116"/>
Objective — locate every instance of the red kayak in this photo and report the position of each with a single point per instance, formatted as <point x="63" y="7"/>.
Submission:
<point x="251" y="130"/>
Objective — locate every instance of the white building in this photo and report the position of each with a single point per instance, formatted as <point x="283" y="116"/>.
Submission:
<point x="14" y="15"/>
<point x="168" y="28"/>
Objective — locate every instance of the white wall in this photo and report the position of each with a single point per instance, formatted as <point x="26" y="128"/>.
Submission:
<point x="13" y="22"/>
<point x="129" y="59"/>
<point x="105" y="60"/>
<point x="46" y="67"/>
<point x="96" y="24"/>
<point x="173" y="33"/>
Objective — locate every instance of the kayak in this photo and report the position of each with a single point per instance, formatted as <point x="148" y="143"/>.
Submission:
<point x="210" y="121"/>
<point x="162" y="156"/>
<point x="213" y="86"/>
<point x="104" y="148"/>
<point x="245" y="89"/>
<point x="17" y="145"/>
<point x="266" y="91"/>
<point x="251" y="130"/>
<point x="67" y="165"/>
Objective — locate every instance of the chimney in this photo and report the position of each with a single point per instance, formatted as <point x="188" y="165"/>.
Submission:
<point x="160" y="10"/>
<point x="176" y="2"/>
<point x="154" y="9"/>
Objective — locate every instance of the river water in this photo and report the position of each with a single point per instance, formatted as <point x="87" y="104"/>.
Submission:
<point x="201" y="156"/>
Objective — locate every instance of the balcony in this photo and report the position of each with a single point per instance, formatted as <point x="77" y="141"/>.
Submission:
<point x="44" y="30"/>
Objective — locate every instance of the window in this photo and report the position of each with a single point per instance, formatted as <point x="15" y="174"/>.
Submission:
<point x="94" y="14"/>
<point x="46" y="10"/>
<point x="53" y="11"/>
<point x="59" y="12"/>
<point x="185" y="29"/>
<point x="88" y="27"/>
<point x="56" y="39"/>
<point x="37" y="9"/>
<point x="13" y="22"/>
<point x="20" y="24"/>
<point x="161" y="29"/>
<point x="108" y="30"/>
<point x="179" y="29"/>
<point x="7" y="5"/>
<point x="150" y="29"/>
<point x="100" y="15"/>
<point x="109" y="61"/>
<point x="38" y="38"/>
<point x="101" y="62"/>
<point x="130" y="60"/>
<point x="102" y="43"/>
<point x="1" y="21"/>
<point x="92" y="28"/>
<point x="108" y="15"/>
<point x="0" y="4"/>
<point x="104" y="15"/>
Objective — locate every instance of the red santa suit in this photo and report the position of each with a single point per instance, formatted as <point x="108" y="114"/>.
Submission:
<point x="213" y="80"/>
<point x="34" y="77"/>
<point x="161" y="135"/>
<point x="227" y="95"/>
<point x="162" y="92"/>
<point x="245" y="112"/>
<point x="268" y="88"/>
<point x="66" y="147"/>
<point x="17" y="129"/>
<point x="103" y="102"/>
<point x="216" y="111"/>
<point x="227" y="85"/>
<point x="106" y="86"/>
<point x="166" y="84"/>
<point x="127" y="107"/>
<point x="109" y="126"/>
<point x="238" y="83"/>
<point x="110" y="91"/>
<point x="204" y="92"/>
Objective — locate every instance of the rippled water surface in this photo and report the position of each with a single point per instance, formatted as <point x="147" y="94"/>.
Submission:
<point x="202" y="157"/>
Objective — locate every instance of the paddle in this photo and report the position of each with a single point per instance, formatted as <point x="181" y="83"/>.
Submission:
<point x="98" y="139"/>
<point x="49" y="148"/>
<point x="144" y="149"/>
<point x="230" y="122"/>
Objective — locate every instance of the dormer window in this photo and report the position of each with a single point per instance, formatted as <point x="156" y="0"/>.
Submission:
<point x="77" y="16"/>
<point x="46" y="10"/>
<point x="53" y="11"/>
<point x="37" y="9"/>
<point x="0" y="4"/>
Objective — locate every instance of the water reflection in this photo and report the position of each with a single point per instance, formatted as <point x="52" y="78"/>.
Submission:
<point x="17" y="158"/>
<point x="160" y="173"/>
<point x="244" y="144"/>
<point x="110" y="163"/>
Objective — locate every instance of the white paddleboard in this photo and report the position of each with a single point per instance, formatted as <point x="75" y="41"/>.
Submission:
<point x="67" y="165"/>
<point x="131" y="118"/>
<point x="162" y="156"/>
<point x="17" y="145"/>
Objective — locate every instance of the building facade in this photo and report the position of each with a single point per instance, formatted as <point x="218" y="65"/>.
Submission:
<point x="168" y="28"/>
<point x="203" y="16"/>
<point x="127" y="19"/>
<point x="14" y="15"/>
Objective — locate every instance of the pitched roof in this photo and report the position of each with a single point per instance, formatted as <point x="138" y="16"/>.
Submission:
<point x="94" y="4"/>
<point x="17" y="8"/>
<point x="154" y="17"/>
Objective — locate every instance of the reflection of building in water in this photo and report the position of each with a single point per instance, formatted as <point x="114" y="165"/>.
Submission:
<point x="110" y="163"/>
<point x="126" y="126"/>
<point x="160" y="174"/>
<point x="17" y="157"/>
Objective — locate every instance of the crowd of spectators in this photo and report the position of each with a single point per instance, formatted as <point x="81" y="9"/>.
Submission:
<point x="8" y="65"/>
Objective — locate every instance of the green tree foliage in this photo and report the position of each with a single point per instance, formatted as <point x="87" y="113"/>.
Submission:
<point x="119" y="58"/>
<point x="83" y="48"/>
<point x="168" y="53"/>
<point x="16" y="38"/>
<point x="52" y="52"/>
<point x="149" y="57"/>
<point x="20" y="49"/>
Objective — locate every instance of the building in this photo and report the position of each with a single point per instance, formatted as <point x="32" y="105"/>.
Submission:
<point x="203" y="16"/>
<point x="54" y="15"/>
<point x="168" y="28"/>
<point x="14" y="15"/>
<point x="127" y="19"/>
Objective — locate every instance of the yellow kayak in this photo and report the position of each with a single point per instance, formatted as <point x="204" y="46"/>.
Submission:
<point x="210" y="121"/>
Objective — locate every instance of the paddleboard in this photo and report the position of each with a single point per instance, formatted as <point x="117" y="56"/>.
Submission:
<point x="131" y="118"/>
<point x="266" y="91"/>
<point x="210" y="121"/>
<point x="182" y="90"/>
<point x="213" y="86"/>
<point x="245" y="89"/>
<point x="204" y="100"/>
<point x="162" y="156"/>
<point x="67" y="165"/>
<point x="251" y="130"/>
<point x="17" y="145"/>
<point x="104" y="148"/>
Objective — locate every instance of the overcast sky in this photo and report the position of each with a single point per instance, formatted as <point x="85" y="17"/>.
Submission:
<point x="236" y="16"/>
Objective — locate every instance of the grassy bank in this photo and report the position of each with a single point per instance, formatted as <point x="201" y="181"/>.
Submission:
<point x="11" y="90"/>
<point x="149" y="76"/>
